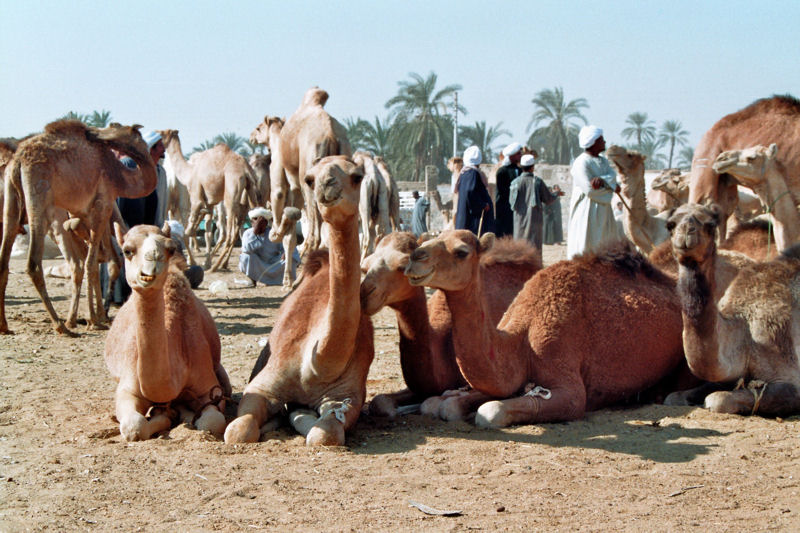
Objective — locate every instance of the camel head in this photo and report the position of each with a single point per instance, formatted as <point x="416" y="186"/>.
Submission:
<point x="450" y="261"/>
<point x="385" y="282"/>
<point x="122" y="138"/>
<point x="268" y="126"/>
<point x="168" y="136"/>
<point x="692" y="229"/>
<point x="672" y="182"/>
<point x="147" y="252"/>
<point x="628" y="164"/>
<point x="336" y="181"/>
<point x="748" y="166"/>
<point x="315" y="96"/>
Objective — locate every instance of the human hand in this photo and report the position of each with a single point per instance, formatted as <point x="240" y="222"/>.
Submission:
<point x="597" y="183"/>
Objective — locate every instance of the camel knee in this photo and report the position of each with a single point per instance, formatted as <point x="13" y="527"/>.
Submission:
<point x="452" y="409"/>
<point x="326" y="432"/>
<point x="736" y="402"/>
<point x="383" y="405"/>
<point x="430" y="407"/>
<point x="134" y="427"/>
<point x="243" y="429"/>
<point x="212" y="420"/>
<point x="492" y="415"/>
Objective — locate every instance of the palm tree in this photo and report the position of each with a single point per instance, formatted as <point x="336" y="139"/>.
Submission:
<point x="355" y="129"/>
<point x="655" y="160"/>
<point x="559" y="133"/>
<point x="419" y="112"/>
<point x="640" y="127"/>
<point x="482" y="138"/>
<point x="72" y="115"/>
<point x="376" y="137"/>
<point x="99" y="119"/>
<point x="685" y="157"/>
<point x="672" y="132"/>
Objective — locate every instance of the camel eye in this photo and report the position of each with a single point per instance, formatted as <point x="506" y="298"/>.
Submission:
<point x="310" y="181"/>
<point x="670" y="225"/>
<point x="357" y="178"/>
<point x="461" y="254"/>
<point x="128" y="253"/>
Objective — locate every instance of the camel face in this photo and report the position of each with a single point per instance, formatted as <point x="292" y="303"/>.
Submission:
<point x="269" y="127"/>
<point x="628" y="163"/>
<point x="692" y="230"/>
<point x="384" y="280"/>
<point x="673" y="183"/>
<point x="147" y="252"/>
<point x="336" y="182"/>
<point x="448" y="262"/>
<point x="748" y="166"/>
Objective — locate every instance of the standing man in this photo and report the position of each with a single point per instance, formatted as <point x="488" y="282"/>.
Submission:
<point x="474" y="211"/>
<point x="529" y="194"/>
<point x="505" y="175"/>
<point x="553" y="231"/>
<point x="419" y="223"/>
<point x="594" y="182"/>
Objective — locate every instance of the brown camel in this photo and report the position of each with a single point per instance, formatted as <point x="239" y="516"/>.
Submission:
<point x="70" y="166"/>
<point x="759" y="169"/>
<point x="215" y="175"/>
<point x="768" y="120"/>
<point x="643" y="229"/>
<point x="321" y="345"/>
<point x="163" y="348"/>
<point x="394" y="192"/>
<point x="373" y="205"/>
<point x="565" y="345"/>
<point x="260" y="164"/>
<point x="749" y="333"/>
<point x="427" y="356"/>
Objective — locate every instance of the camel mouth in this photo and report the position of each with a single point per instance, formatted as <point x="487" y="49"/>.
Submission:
<point x="419" y="279"/>
<point x="722" y="165"/>
<point x="145" y="280"/>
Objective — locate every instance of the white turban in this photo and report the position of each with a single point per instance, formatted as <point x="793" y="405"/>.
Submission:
<point x="151" y="138"/>
<point x="588" y="135"/>
<point x="512" y="149"/>
<point x="472" y="156"/>
<point x="175" y="229"/>
<point x="259" y="212"/>
<point x="527" y="160"/>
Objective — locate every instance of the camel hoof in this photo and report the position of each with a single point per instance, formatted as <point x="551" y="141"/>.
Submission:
<point x="331" y="436"/>
<point x="430" y="407"/>
<point x="212" y="421"/>
<point x="63" y="330"/>
<point x="382" y="405"/>
<point x="243" y="429"/>
<point x="450" y="410"/>
<point x="491" y="415"/>
<point x="98" y="327"/>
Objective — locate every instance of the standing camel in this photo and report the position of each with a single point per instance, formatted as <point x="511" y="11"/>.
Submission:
<point x="321" y="345"/>
<point x="70" y="166"/>
<point x="215" y="175"/>
<point x="394" y="192"/>
<point x="374" y="204"/>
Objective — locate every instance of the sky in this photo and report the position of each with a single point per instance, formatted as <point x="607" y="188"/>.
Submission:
<point x="208" y="67"/>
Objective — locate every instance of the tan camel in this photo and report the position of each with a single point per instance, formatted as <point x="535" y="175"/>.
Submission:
<point x="749" y="332"/>
<point x="70" y="166"/>
<point x="427" y="356"/>
<point x="759" y="169"/>
<point x="321" y="345"/>
<point x="646" y="231"/>
<point x="768" y="120"/>
<point x="260" y="164"/>
<point x="565" y="345"/>
<point x="373" y="205"/>
<point x="669" y="190"/>
<point x="394" y="192"/>
<point x="217" y="175"/>
<point x="163" y="347"/>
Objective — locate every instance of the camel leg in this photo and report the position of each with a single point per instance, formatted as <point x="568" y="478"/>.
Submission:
<point x="387" y="404"/>
<point x="565" y="403"/>
<point x="133" y="425"/>
<point x="232" y="223"/>
<point x="191" y="231"/>
<point x="459" y="406"/>
<point x="335" y="418"/>
<point x="695" y="396"/>
<point x="773" y="399"/>
<point x="254" y="410"/>
<point x="11" y="214"/>
<point x="209" y="236"/>
<point x="289" y="244"/>
<point x="99" y="220"/>
<point x="72" y="249"/>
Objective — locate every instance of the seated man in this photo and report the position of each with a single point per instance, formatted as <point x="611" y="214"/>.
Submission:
<point x="261" y="259"/>
<point x="194" y="273"/>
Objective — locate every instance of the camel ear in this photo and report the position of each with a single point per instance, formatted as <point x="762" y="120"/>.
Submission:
<point x="425" y="236"/>
<point x="772" y="150"/>
<point x="119" y="233"/>
<point x="486" y="242"/>
<point x="715" y="212"/>
<point x="166" y="230"/>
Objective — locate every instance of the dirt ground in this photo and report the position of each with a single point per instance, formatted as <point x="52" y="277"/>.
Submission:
<point x="64" y="467"/>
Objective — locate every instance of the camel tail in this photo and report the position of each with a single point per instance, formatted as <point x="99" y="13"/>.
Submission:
<point x="261" y="362"/>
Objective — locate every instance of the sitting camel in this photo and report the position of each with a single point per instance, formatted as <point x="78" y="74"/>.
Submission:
<point x="163" y="348"/>
<point x="427" y="356"/>
<point x="373" y="205"/>
<point x="749" y="333"/>
<point x="669" y="190"/>
<point x="321" y="345"/>
<point x="643" y="229"/>
<point x="70" y="166"/>
<point x="215" y="175"/>
<point x="565" y="345"/>
<point x="759" y="169"/>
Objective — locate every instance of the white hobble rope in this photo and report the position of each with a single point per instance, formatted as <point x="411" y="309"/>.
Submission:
<point x="539" y="392"/>
<point x="340" y="411"/>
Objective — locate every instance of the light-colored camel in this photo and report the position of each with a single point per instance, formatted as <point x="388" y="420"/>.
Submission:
<point x="669" y="190"/>
<point x="748" y="333"/>
<point x="260" y="164"/>
<point x="163" y="347"/>
<point x="321" y="345"/>
<point x="646" y="231"/>
<point x="394" y="192"/>
<point x="565" y="345"/>
<point x="768" y="120"/>
<point x="427" y="356"/>
<point x="215" y="175"/>
<point x="373" y="205"/>
<point x="70" y="166"/>
<point x="759" y="169"/>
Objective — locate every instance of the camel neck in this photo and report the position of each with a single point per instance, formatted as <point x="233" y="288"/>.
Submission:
<point x="633" y="189"/>
<point x="154" y="367"/>
<point x="133" y="182"/>
<point x="179" y="163"/>
<point x="781" y="206"/>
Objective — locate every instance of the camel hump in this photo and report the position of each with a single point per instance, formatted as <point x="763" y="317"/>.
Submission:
<point x="66" y="127"/>
<point x="509" y="251"/>
<point x="315" y="96"/>
<point x="624" y="257"/>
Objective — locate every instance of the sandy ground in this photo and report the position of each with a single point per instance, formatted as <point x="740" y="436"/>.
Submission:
<point x="63" y="465"/>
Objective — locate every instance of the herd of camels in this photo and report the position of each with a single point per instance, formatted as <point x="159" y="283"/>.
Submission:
<point x="695" y="307"/>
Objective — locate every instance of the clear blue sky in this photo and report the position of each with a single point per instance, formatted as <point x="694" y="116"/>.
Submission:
<point x="207" y="67"/>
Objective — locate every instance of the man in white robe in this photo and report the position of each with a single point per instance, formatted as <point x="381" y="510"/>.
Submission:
<point x="594" y="182"/>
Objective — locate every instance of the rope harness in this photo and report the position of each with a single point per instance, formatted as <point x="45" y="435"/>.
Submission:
<point x="215" y="396"/>
<point x="757" y="387"/>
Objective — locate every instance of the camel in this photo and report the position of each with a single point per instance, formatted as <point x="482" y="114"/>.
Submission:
<point x="163" y="348"/>
<point x="394" y="192"/>
<point x="749" y="332"/>
<point x="321" y="345"/>
<point x="215" y="175"/>
<point x="260" y="164"/>
<point x="373" y="205"/>
<point x="768" y="120"/>
<point x="759" y="169"/>
<point x="427" y="355"/>
<point x="643" y="229"/>
<point x="565" y="345"/>
<point x="669" y="190"/>
<point x="70" y="166"/>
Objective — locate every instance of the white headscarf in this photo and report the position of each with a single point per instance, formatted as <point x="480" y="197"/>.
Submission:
<point x="175" y="229"/>
<point x="512" y="149"/>
<point x="527" y="160"/>
<point x="588" y="135"/>
<point x="259" y="212"/>
<point x="472" y="156"/>
<point x="151" y="138"/>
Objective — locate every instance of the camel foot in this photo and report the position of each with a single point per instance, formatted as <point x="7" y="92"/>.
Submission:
<point x="97" y="327"/>
<point x="430" y="407"/>
<point x="6" y="331"/>
<point x="327" y="432"/>
<point x="212" y="421"/>
<point x="492" y="415"/>
<point x="61" y="329"/>
<point x="243" y="429"/>
<point x="382" y="405"/>
<point x="451" y="409"/>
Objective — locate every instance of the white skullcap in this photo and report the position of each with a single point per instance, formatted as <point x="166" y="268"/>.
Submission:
<point x="588" y="135"/>
<point x="512" y="149"/>
<point x="151" y="138"/>
<point x="527" y="160"/>
<point x="175" y="229"/>
<point x="472" y="156"/>
<point x="259" y="212"/>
